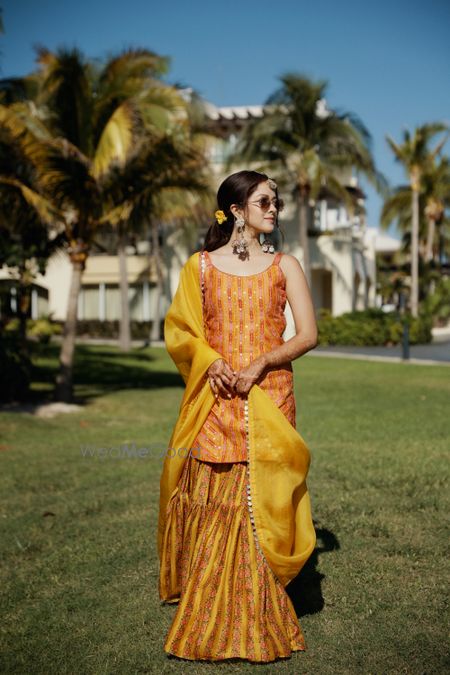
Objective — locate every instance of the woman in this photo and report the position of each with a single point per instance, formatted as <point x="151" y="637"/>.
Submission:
<point x="235" y="523"/>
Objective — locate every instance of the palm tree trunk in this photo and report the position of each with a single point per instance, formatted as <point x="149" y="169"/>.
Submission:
<point x="154" y="335"/>
<point x="125" y="336"/>
<point x="415" y="253"/>
<point x="64" y="385"/>
<point x="23" y="303"/>
<point x="441" y="252"/>
<point x="430" y="240"/>
<point x="303" y="236"/>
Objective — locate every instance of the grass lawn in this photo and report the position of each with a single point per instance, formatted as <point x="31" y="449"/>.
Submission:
<point x="80" y="567"/>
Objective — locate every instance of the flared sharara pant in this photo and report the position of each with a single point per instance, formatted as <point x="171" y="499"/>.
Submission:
<point x="230" y="603"/>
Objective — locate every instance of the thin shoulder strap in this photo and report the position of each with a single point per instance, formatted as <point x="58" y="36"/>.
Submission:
<point x="277" y="257"/>
<point x="206" y="257"/>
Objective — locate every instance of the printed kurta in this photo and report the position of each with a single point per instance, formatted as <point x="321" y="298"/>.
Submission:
<point x="244" y="318"/>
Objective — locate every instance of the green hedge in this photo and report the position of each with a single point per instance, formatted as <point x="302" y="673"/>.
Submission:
<point x="39" y="329"/>
<point x="43" y="329"/>
<point x="371" y="327"/>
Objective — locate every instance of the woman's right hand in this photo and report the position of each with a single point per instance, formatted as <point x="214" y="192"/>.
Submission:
<point x="221" y="378"/>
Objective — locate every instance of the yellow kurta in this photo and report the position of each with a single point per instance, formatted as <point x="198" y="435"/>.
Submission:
<point x="278" y="456"/>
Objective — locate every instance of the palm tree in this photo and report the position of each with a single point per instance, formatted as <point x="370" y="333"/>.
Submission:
<point x="162" y="183"/>
<point x="437" y="194"/>
<point x="415" y="155"/>
<point x="433" y="201"/>
<point x="307" y="145"/>
<point x="94" y="119"/>
<point x="182" y="192"/>
<point x="166" y="182"/>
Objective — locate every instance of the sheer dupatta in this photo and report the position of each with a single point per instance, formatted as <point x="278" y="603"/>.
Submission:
<point x="278" y="456"/>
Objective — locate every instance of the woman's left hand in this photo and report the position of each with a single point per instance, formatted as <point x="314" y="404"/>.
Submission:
<point x="247" y="377"/>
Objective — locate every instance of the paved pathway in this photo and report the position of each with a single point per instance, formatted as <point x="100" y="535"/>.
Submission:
<point x="436" y="353"/>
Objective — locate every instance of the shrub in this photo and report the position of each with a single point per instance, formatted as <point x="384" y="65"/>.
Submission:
<point x="371" y="327"/>
<point x="12" y="326"/>
<point x="42" y="329"/>
<point x="437" y="304"/>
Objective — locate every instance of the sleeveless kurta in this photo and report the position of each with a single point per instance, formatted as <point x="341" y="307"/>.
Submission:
<point x="244" y="318"/>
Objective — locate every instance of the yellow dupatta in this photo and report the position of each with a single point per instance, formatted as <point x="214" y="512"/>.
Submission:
<point x="278" y="456"/>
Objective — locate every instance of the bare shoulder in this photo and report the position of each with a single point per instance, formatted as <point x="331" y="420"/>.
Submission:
<point x="290" y="266"/>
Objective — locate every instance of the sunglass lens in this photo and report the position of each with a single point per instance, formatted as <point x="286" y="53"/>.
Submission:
<point x="265" y="202"/>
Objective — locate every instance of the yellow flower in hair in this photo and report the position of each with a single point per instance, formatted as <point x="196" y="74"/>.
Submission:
<point x="220" y="217"/>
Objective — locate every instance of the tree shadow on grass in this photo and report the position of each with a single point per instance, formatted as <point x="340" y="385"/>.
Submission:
<point x="305" y="590"/>
<point x="99" y="370"/>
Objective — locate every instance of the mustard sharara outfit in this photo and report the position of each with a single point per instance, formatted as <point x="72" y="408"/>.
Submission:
<point x="235" y="523"/>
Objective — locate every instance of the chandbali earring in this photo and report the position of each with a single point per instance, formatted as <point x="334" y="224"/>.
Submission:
<point x="267" y="246"/>
<point x="240" y="246"/>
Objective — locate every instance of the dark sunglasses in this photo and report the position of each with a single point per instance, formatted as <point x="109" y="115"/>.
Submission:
<point x="265" y="202"/>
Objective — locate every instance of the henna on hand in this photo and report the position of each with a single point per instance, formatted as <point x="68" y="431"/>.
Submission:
<point x="221" y="376"/>
<point x="247" y="377"/>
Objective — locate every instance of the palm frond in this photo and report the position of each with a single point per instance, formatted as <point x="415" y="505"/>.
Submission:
<point x="133" y="62"/>
<point x="21" y="143"/>
<point x="398" y="203"/>
<point x="116" y="140"/>
<point x="66" y="89"/>
<point x="46" y="211"/>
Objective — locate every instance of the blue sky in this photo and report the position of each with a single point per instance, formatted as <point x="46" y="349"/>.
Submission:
<point x="386" y="61"/>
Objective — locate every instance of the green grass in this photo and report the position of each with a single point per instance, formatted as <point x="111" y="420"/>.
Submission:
<point x="79" y="584"/>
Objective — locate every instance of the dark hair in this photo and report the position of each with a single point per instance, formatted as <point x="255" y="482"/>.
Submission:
<point x="236" y="189"/>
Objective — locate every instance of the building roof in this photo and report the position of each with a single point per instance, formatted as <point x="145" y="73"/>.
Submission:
<point x="244" y="112"/>
<point x="384" y="243"/>
<point x="236" y="112"/>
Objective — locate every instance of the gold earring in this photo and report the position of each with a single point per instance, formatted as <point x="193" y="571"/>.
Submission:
<point x="240" y="246"/>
